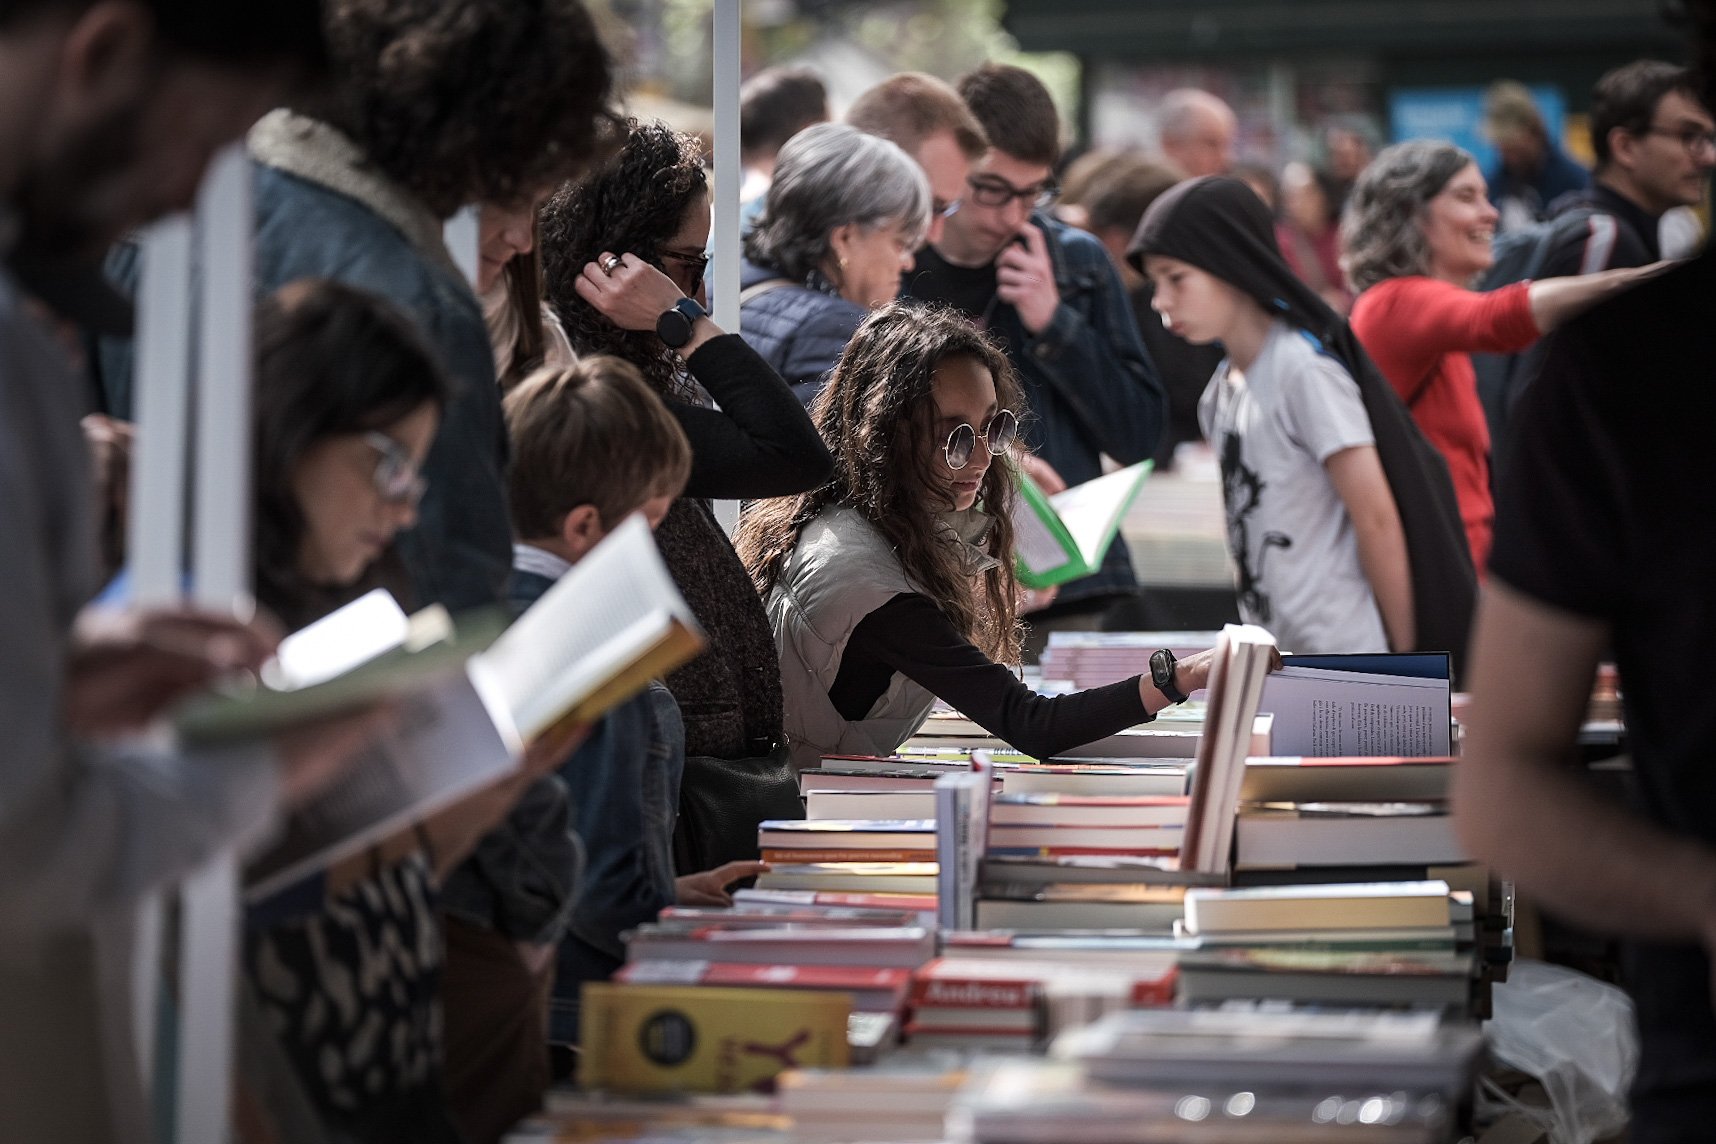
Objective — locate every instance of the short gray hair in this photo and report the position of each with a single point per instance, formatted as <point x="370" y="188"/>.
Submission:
<point x="826" y="177"/>
<point x="1382" y="232"/>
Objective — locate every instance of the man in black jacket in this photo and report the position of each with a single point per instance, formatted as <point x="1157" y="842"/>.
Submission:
<point x="1655" y="144"/>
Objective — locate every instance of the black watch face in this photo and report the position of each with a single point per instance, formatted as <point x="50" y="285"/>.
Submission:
<point x="673" y="328"/>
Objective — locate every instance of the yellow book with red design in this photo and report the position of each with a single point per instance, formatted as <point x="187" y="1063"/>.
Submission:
<point x="688" y="1038"/>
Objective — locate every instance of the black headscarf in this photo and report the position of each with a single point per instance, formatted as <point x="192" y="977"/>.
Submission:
<point x="1218" y="225"/>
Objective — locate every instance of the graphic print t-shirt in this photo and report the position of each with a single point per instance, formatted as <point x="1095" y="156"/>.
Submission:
<point x="1292" y="542"/>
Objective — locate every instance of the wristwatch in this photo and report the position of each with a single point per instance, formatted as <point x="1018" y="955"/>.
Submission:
<point x="674" y="326"/>
<point x="1162" y="664"/>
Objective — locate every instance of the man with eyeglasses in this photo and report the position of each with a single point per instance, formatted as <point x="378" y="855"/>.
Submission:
<point x="1652" y="136"/>
<point x="1051" y="295"/>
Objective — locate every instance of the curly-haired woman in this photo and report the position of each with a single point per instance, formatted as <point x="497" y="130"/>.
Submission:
<point x="1417" y="232"/>
<point x="839" y="224"/>
<point x="623" y="254"/>
<point x="893" y="584"/>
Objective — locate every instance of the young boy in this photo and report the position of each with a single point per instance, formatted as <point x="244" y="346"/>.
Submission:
<point x="1313" y="526"/>
<point x="591" y="445"/>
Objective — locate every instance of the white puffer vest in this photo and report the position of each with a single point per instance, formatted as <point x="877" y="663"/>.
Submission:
<point x="842" y="570"/>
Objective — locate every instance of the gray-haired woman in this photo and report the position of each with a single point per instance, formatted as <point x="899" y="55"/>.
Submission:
<point x="1417" y="233"/>
<point x="842" y="217"/>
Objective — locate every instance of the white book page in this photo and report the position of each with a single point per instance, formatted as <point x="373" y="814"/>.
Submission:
<point x="451" y="741"/>
<point x="1090" y="510"/>
<point x="1336" y="714"/>
<point x="613" y="606"/>
<point x="369" y="626"/>
<point x="1033" y="543"/>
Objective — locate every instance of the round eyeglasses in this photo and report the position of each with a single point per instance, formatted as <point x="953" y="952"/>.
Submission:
<point x="396" y="475"/>
<point x="998" y="436"/>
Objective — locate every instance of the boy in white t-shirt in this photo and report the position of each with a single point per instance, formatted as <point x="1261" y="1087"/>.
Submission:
<point x="1312" y="524"/>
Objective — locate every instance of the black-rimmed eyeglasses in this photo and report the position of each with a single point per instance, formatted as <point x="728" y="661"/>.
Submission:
<point x="696" y="265"/>
<point x="998" y="436"/>
<point x="998" y="193"/>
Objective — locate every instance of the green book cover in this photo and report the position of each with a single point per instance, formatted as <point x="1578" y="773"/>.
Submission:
<point x="262" y="711"/>
<point x="1065" y="536"/>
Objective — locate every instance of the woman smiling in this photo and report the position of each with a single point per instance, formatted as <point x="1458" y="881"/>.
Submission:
<point x="1419" y="229"/>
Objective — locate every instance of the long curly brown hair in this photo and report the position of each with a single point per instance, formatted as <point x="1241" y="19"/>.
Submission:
<point x="877" y="414"/>
<point x="632" y="204"/>
<point x="474" y="101"/>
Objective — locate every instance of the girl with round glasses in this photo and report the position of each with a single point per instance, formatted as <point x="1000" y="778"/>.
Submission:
<point x="893" y="584"/>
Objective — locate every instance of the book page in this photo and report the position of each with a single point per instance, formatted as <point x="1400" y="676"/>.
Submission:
<point x="451" y="741"/>
<point x="603" y="616"/>
<point x="1092" y="512"/>
<point x="365" y="628"/>
<point x="1035" y="543"/>
<point x="1331" y="714"/>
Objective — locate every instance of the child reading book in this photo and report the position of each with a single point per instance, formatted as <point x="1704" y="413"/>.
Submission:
<point x="894" y="583"/>
<point x="592" y="444"/>
<point x="1341" y="520"/>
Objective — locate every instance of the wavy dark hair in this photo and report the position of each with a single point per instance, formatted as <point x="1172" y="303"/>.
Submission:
<point x="877" y="414"/>
<point x="330" y="360"/>
<point x="632" y="204"/>
<point x="473" y="100"/>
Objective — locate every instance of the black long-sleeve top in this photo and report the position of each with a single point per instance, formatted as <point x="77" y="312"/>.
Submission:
<point x="761" y="442"/>
<point x="911" y="635"/>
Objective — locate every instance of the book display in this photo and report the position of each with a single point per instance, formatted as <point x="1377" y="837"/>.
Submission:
<point x="1225" y="944"/>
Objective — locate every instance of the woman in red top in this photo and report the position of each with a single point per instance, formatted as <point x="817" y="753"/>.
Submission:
<point x="1417" y="232"/>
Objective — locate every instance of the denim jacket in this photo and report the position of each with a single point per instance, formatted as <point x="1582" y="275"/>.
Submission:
<point x="1091" y="385"/>
<point x="626" y="783"/>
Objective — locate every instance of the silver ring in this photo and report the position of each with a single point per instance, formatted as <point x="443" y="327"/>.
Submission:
<point x="610" y="262"/>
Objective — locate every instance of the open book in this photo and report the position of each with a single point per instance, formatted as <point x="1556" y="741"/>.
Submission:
<point x="607" y="628"/>
<point x="364" y="653"/>
<point x="1064" y="537"/>
<point x="1332" y="711"/>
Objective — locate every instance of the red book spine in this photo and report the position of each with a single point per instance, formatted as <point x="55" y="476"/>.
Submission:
<point x="1156" y="993"/>
<point x="972" y="993"/>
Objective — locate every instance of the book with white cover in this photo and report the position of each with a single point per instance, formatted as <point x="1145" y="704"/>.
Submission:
<point x="1243" y="658"/>
<point x="1330" y="713"/>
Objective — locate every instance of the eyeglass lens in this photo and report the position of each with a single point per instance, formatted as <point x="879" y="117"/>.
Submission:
<point x="997" y="436"/>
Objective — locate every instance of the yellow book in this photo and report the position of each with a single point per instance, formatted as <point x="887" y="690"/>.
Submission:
<point x="689" y="1038"/>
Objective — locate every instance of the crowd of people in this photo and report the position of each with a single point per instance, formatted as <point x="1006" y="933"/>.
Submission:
<point x="934" y="302"/>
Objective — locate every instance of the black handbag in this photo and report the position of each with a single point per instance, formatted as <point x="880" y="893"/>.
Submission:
<point x="721" y="801"/>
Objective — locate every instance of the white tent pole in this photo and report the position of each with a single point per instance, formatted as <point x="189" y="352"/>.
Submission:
<point x="209" y="960"/>
<point x="724" y="287"/>
<point x="724" y="270"/>
<point x="155" y="532"/>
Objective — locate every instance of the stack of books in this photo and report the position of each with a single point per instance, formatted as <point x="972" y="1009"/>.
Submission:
<point x="1361" y="945"/>
<point x="1345" y="812"/>
<point x="1011" y="997"/>
<point x="849" y="855"/>
<point x="1245" y="1075"/>
<point x="1096" y="659"/>
<point x="877" y="1105"/>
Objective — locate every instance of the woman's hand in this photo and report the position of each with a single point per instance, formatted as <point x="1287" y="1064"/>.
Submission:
<point x="632" y="294"/>
<point x="1193" y="673"/>
<point x="710" y="887"/>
